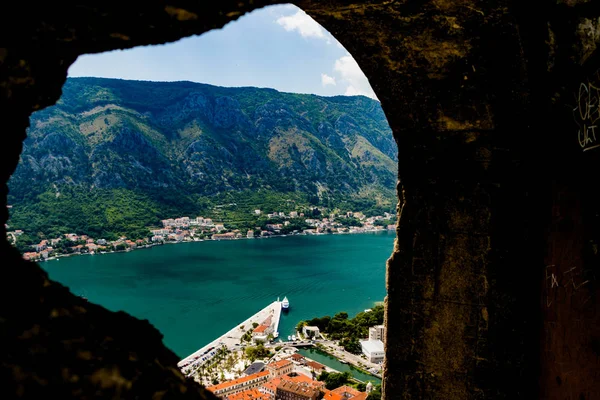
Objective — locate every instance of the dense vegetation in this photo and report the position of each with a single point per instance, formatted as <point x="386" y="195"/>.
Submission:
<point x="255" y="352"/>
<point x="334" y="380"/>
<point x="114" y="157"/>
<point x="347" y="331"/>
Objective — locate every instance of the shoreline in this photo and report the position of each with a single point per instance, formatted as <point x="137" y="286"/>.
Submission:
<point x="231" y="338"/>
<point x="151" y="245"/>
<point x="322" y="349"/>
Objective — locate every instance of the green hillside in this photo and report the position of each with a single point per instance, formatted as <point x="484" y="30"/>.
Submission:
<point x="114" y="156"/>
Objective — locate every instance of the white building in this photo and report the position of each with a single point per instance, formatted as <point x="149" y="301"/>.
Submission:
<point x="257" y="212"/>
<point x="310" y="332"/>
<point x="373" y="349"/>
<point x="250" y="234"/>
<point x="376" y="332"/>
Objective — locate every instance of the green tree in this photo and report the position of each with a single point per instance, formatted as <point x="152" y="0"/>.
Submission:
<point x="351" y="345"/>
<point x="255" y="352"/>
<point x="334" y="380"/>
<point x="300" y="325"/>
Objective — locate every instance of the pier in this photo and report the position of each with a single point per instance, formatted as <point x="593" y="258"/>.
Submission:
<point x="232" y="338"/>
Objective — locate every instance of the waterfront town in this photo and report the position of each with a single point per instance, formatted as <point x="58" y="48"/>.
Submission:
<point x="251" y="362"/>
<point x="186" y="229"/>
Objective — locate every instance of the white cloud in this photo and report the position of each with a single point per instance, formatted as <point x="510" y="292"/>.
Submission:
<point x="305" y="25"/>
<point x="351" y="74"/>
<point x="327" y="80"/>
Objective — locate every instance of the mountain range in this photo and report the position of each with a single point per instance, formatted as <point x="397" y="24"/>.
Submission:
<point x="173" y="148"/>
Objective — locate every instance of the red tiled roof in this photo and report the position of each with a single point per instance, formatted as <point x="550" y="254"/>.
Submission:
<point x="237" y="381"/>
<point x="250" y="394"/>
<point x="297" y="357"/>
<point x="272" y="384"/>
<point x="315" y="365"/>
<point x="299" y="378"/>
<point x="360" y="396"/>
<point x="298" y="388"/>
<point x="346" y="389"/>
<point x="260" y="329"/>
<point x="333" y="396"/>
<point x="279" y="364"/>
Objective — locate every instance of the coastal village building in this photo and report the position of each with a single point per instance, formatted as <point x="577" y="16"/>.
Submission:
<point x="225" y="389"/>
<point x="250" y="394"/>
<point x="270" y="387"/>
<point x="329" y="395"/>
<point x="315" y="366"/>
<point x="346" y="392"/>
<point x="310" y="332"/>
<point x="178" y="230"/>
<point x="376" y="332"/>
<point x="287" y="390"/>
<point x="360" y="396"/>
<point x="279" y="368"/>
<point x="262" y="332"/>
<point x="299" y="358"/>
<point x="224" y="236"/>
<point x="259" y="334"/>
<point x="373" y="349"/>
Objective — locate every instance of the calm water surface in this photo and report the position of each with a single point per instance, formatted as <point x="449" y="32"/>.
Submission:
<point x="334" y="363"/>
<point x="195" y="292"/>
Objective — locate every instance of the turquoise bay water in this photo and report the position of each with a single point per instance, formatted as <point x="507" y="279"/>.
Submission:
<point x="195" y="292"/>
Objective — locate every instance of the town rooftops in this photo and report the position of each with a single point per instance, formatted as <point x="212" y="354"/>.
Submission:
<point x="315" y="365"/>
<point x="346" y="391"/>
<point x="297" y="357"/>
<point x="250" y="394"/>
<point x="279" y="364"/>
<point x="298" y="388"/>
<point x="300" y="378"/>
<point x="260" y="329"/>
<point x="360" y="396"/>
<point x="228" y="384"/>
<point x="329" y="395"/>
<point x="271" y="385"/>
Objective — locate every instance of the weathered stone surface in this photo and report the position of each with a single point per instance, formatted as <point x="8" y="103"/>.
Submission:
<point x="493" y="282"/>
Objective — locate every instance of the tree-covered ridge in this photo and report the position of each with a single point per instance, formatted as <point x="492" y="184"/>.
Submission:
<point x="153" y="150"/>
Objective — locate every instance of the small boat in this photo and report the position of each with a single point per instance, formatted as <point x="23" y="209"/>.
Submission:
<point x="293" y="337"/>
<point x="285" y="304"/>
<point x="289" y="338"/>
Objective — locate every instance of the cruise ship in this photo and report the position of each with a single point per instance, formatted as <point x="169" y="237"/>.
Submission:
<point x="285" y="304"/>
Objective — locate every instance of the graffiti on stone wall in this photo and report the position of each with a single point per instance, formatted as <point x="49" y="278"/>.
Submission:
<point x="561" y="285"/>
<point x="587" y="115"/>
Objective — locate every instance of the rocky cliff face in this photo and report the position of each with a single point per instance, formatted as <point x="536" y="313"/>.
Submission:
<point x="202" y="139"/>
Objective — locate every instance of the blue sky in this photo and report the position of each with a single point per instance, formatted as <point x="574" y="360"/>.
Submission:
<point x="279" y="47"/>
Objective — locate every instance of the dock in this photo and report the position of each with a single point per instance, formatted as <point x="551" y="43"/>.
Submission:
<point x="231" y="339"/>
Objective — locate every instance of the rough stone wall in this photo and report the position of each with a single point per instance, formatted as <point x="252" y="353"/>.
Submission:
<point x="492" y="286"/>
<point x="570" y="337"/>
<point x="462" y="307"/>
